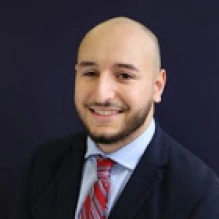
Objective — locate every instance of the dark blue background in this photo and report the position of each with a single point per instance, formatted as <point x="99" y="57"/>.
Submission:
<point x="38" y="43"/>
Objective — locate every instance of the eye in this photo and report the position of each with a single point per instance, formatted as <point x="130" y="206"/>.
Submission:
<point x="125" y="76"/>
<point x="90" y="73"/>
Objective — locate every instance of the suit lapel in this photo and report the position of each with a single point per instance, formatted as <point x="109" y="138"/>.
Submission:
<point x="59" y="200"/>
<point x="69" y="184"/>
<point x="148" y="173"/>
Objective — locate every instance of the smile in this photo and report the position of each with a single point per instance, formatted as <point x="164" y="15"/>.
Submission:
<point x="104" y="112"/>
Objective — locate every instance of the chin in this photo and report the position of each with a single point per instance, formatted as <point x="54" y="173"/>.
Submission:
<point x="107" y="137"/>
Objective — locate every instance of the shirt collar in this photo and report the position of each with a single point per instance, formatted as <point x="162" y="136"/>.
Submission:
<point x="129" y="155"/>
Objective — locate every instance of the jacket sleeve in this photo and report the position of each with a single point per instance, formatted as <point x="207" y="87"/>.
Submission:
<point x="25" y="195"/>
<point x="208" y="206"/>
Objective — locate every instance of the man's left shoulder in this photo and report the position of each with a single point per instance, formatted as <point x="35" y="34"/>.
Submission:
<point x="189" y="170"/>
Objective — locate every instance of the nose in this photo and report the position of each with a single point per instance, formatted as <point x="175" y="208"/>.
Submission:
<point x="104" y="88"/>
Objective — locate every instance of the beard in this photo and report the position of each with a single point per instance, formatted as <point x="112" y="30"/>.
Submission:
<point x="130" y="126"/>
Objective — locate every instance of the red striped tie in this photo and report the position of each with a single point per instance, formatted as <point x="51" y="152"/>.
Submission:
<point x="95" y="205"/>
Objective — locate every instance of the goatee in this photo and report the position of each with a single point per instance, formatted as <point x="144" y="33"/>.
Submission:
<point x="131" y="125"/>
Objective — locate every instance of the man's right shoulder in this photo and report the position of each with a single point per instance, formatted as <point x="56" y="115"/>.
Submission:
<point x="49" y="162"/>
<point x="52" y="152"/>
<point x="59" y="147"/>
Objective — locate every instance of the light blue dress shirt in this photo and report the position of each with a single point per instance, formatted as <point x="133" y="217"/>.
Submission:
<point x="126" y="159"/>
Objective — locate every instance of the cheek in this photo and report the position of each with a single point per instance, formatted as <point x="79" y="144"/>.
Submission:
<point x="78" y="95"/>
<point x="141" y="94"/>
<point x="82" y="94"/>
<point x="131" y="99"/>
<point x="139" y="97"/>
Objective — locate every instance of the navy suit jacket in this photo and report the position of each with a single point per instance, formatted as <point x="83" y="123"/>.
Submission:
<point x="168" y="183"/>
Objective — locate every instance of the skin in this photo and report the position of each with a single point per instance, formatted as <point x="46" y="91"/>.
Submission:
<point x="118" y="81"/>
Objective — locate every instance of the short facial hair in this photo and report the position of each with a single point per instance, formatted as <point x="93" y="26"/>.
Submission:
<point x="133" y="123"/>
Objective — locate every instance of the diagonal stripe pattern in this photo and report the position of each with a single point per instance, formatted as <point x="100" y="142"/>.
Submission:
<point x="95" y="205"/>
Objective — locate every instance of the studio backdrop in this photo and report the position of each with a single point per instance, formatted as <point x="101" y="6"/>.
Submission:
<point x="38" y="46"/>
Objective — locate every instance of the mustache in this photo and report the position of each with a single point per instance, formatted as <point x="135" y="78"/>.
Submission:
<point x="106" y="104"/>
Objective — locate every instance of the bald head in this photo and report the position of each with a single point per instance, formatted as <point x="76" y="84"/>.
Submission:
<point x="119" y="29"/>
<point x="118" y="80"/>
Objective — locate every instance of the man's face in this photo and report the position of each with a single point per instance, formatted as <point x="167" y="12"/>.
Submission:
<point x="115" y="87"/>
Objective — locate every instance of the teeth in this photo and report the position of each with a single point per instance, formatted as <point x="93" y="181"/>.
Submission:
<point x="104" y="113"/>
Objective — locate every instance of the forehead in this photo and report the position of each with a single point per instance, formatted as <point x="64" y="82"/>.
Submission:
<point x="116" y="44"/>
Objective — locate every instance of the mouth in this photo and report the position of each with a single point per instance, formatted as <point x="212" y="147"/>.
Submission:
<point x="105" y="112"/>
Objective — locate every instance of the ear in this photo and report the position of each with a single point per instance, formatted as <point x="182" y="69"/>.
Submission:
<point x="76" y="67"/>
<point x="159" y="84"/>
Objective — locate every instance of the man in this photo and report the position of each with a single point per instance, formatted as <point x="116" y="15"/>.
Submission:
<point x="118" y="81"/>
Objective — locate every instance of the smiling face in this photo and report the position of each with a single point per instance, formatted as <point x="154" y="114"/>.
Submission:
<point x="117" y="83"/>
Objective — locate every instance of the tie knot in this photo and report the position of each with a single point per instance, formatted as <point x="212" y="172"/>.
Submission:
<point x="104" y="166"/>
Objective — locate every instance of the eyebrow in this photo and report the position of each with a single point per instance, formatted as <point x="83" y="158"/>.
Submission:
<point x="86" y="63"/>
<point x="127" y="66"/>
<point x="120" y="65"/>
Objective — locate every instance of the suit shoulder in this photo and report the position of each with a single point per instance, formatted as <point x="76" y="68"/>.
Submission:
<point x="188" y="170"/>
<point x="57" y="148"/>
<point x="49" y="156"/>
<point x="188" y="183"/>
<point x="47" y="160"/>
